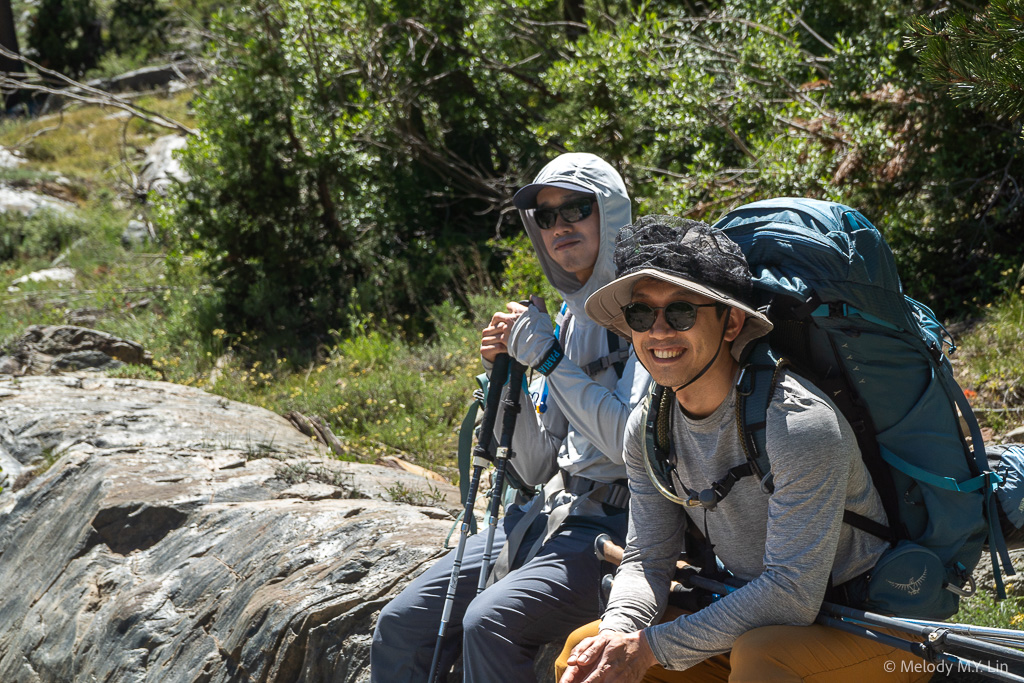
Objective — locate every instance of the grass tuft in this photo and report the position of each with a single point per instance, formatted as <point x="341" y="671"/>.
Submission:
<point x="990" y="364"/>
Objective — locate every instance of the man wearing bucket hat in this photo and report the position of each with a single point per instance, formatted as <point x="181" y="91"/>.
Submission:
<point x="568" y="437"/>
<point x="682" y="293"/>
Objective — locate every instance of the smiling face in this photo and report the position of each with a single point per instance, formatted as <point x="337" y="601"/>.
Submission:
<point x="674" y="358"/>
<point x="573" y="246"/>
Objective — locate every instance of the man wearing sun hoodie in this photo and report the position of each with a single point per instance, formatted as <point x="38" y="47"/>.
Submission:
<point x="568" y="439"/>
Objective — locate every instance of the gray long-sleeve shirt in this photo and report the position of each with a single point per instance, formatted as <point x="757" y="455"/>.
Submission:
<point x="785" y="544"/>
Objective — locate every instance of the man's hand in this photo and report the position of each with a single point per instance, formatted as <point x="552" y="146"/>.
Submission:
<point x="495" y="335"/>
<point x="610" y="658"/>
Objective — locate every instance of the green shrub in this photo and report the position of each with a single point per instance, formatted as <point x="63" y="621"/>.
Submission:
<point x="983" y="610"/>
<point x="523" y="275"/>
<point x="44" y="234"/>
<point x="138" y="27"/>
<point x="380" y="393"/>
<point x="347" y="154"/>
<point x="704" y="109"/>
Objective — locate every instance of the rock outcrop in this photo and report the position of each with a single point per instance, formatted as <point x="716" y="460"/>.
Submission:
<point x="152" y="532"/>
<point x="158" y="533"/>
<point x="55" y="348"/>
<point x="161" y="168"/>
<point x="28" y="203"/>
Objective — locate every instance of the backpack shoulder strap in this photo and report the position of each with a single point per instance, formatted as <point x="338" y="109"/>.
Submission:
<point x="466" y="432"/>
<point x="754" y="389"/>
<point x="656" y="442"/>
<point x="618" y="352"/>
<point x="614" y="344"/>
<point x="660" y="464"/>
<point x="616" y="358"/>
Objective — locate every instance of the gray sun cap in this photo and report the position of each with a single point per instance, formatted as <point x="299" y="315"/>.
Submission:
<point x="688" y="254"/>
<point x="526" y="197"/>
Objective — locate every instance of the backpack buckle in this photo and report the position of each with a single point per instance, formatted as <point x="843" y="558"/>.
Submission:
<point x="707" y="499"/>
<point x="740" y="381"/>
<point x="967" y="588"/>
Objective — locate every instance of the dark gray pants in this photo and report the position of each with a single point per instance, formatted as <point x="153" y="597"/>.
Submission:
<point x="500" y="631"/>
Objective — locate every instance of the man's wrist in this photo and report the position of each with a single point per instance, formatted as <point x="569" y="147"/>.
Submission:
<point x="550" y="360"/>
<point x="645" y="647"/>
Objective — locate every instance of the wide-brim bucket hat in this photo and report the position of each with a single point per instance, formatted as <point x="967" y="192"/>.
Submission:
<point x="687" y="254"/>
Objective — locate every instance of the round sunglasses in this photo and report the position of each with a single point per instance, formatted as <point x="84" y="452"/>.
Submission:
<point x="680" y="315"/>
<point x="573" y="211"/>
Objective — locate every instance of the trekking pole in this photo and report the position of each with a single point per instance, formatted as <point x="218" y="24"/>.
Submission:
<point x="853" y="621"/>
<point x="936" y="635"/>
<point x="481" y="458"/>
<point x="1003" y="636"/>
<point x="501" y="457"/>
<point x="924" y="650"/>
<point x="837" y="616"/>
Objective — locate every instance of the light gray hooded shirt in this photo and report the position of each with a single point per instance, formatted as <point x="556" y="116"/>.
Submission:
<point x="581" y="429"/>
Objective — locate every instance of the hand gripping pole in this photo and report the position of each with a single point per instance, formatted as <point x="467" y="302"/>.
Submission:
<point x="501" y="458"/>
<point x="481" y="457"/>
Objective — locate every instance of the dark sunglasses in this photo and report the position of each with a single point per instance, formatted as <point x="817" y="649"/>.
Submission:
<point x="573" y="211"/>
<point x="680" y="315"/>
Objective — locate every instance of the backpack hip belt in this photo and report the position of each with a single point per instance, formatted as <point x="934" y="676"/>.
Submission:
<point x="615" y="494"/>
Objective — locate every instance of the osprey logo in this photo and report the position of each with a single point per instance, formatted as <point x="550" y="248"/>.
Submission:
<point x="913" y="586"/>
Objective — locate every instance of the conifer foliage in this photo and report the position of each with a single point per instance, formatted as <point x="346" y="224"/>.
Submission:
<point x="979" y="57"/>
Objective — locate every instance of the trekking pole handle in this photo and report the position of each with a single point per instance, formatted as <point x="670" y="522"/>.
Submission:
<point x="511" y="401"/>
<point x="606" y="550"/>
<point x="499" y="373"/>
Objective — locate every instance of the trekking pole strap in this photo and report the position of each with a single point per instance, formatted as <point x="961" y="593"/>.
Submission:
<point x="499" y="373"/>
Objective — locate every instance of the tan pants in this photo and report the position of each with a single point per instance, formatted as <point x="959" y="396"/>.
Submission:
<point x="777" y="654"/>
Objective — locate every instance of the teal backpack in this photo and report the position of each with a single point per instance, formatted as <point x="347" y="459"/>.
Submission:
<point x="828" y="281"/>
